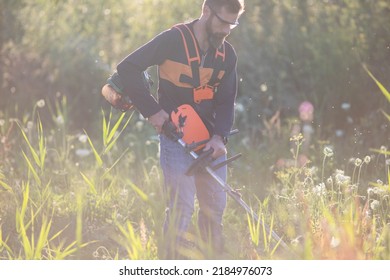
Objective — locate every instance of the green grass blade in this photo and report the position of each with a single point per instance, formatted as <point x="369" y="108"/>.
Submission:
<point x="79" y="220"/>
<point x="386" y="115"/>
<point x="34" y="154"/>
<point x="381" y="87"/>
<point x="105" y="129"/>
<point x="42" y="239"/>
<point x="4" y="184"/>
<point x="42" y="146"/>
<point x="115" y="128"/>
<point x="115" y="163"/>
<point x="31" y="168"/>
<point x="97" y="156"/>
<point x="383" y="152"/>
<point x="90" y="183"/>
<point x="138" y="191"/>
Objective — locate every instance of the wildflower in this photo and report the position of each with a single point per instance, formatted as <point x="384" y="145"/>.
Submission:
<point x="374" y="204"/>
<point x="339" y="171"/>
<point x="319" y="190"/>
<point x="370" y="191"/>
<point x="358" y="162"/>
<point x="311" y="171"/>
<point x="2" y="122"/>
<point x="83" y="138"/>
<point x="383" y="149"/>
<point x="341" y="179"/>
<point x="329" y="181"/>
<point x="296" y="138"/>
<point x="95" y="254"/>
<point x="367" y="159"/>
<point x="379" y="182"/>
<point x="379" y="191"/>
<point x="328" y="152"/>
<point x="41" y="103"/>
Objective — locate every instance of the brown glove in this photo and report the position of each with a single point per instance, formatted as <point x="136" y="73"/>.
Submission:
<point x="115" y="99"/>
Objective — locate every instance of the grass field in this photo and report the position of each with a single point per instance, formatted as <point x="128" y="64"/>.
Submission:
<point x="70" y="195"/>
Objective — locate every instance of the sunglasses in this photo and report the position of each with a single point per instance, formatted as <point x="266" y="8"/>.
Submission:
<point x="231" y="24"/>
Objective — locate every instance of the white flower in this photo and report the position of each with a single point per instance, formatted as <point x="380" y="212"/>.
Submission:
<point x="367" y="159"/>
<point x="83" y="138"/>
<point x="319" y="190"/>
<point x="2" y="122"/>
<point x="358" y="162"/>
<point x="339" y="171"/>
<point x="328" y="152"/>
<point x="342" y="179"/>
<point x="41" y="103"/>
<point x="374" y="204"/>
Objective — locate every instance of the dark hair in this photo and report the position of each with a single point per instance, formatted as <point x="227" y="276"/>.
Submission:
<point x="233" y="6"/>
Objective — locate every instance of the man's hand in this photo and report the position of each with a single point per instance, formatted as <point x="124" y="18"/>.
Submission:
<point x="158" y="120"/>
<point x="216" y="142"/>
<point x="115" y="99"/>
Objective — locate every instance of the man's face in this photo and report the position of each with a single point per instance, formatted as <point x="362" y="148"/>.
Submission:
<point x="218" y="26"/>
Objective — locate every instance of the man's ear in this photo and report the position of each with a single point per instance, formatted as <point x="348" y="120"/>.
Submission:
<point x="206" y="11"/>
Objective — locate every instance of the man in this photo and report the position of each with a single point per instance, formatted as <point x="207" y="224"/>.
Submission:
<point x="197" y="67"/>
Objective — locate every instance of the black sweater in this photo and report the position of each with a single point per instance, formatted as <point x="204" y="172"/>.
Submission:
<point x="168" y="52"/>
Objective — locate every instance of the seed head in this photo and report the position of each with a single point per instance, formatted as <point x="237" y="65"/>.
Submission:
<point x="328" y="152"/>
<point x="358" y="162"/>
<point x="375" y="204"/>
<point x="41" y="103"/>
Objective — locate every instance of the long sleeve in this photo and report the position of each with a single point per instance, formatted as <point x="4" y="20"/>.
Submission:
<point x="130" y="70"/>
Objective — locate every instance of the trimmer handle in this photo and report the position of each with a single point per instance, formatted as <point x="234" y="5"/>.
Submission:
<point x="169" y="130"/>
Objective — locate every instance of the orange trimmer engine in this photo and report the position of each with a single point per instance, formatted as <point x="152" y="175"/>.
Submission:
<point x="187" y="121"/>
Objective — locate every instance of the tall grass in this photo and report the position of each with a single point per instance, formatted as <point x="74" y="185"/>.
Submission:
<point x="77" y="196"/>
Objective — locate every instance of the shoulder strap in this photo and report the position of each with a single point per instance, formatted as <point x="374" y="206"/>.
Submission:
<point x="219" y="60"/>
<point x="194" y="60"/>
<point x="192" y="53"/>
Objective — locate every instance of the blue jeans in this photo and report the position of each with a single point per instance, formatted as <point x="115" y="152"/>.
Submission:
<point x="182" y="189"/>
